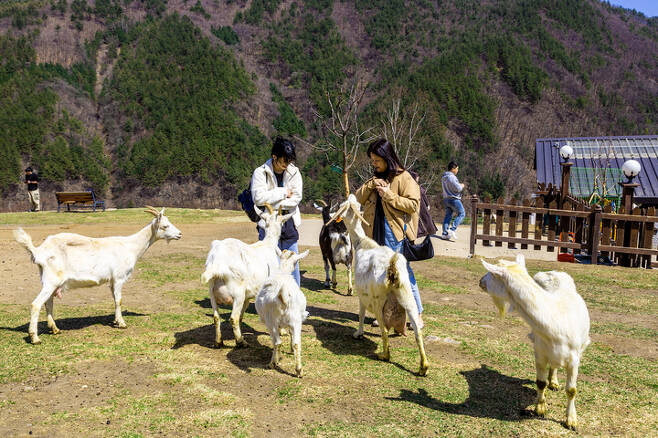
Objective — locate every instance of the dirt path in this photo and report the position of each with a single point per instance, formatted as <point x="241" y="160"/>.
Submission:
<point x="310" y="229"/>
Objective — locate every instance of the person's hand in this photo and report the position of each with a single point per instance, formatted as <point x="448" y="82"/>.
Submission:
<point x="289" y="193"/>
<point x="382" y="189"/>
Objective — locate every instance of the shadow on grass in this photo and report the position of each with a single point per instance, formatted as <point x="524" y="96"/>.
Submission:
<point x="315" y="285"/>
<point x="490" y="395"/>
<point x="255" y="355"/>
<point x="65" y="324"/>
<point x="335" y="337"/>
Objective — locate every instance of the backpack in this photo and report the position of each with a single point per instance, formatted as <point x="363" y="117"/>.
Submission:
<point x="426" y="224"/>
<point x="248" y="204"/>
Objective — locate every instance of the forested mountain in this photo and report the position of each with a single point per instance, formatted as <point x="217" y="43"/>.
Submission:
<point x="174" y="102"/>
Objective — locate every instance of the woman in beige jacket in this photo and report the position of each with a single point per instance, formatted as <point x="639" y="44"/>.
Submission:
<point x="391" y="201"/>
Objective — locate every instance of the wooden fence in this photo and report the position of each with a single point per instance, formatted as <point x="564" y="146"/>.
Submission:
<point x="601" y="234"/>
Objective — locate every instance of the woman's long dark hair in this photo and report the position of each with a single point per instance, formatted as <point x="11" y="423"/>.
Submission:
<point x="382" y="148"/>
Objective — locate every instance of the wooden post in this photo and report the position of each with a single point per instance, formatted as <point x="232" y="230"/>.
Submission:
<point x="500" y="214"/>
<point x="628" y="190"/>
<point x="648" y="236"/>
<point x="552" y="226"/>
<point x="539" y="221"/>
<point x="511" y="230"/>
<point x="486" y="222"/>
<point x="606" y="230"/>
<point x="579" y="228"/>
<point x="633" y="241"/>
<point x="564" y="188"/>
<point x="525" y="220"/>
<point x="474" y="223"/>
<point x="595" y="233"/>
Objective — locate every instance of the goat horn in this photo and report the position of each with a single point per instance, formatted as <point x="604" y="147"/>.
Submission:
<point x="151" y="210"/>
<point x="337" y="214"/>
<point x="358" y="214"/>
<point x="269" y="208"/>
<point x="321" y="202"/>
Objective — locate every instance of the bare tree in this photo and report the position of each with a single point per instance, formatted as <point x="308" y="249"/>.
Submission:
<point x="402" y="128"/>
<point x="341" y="132"/>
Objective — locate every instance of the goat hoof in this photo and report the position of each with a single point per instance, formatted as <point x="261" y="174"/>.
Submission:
<point x="35" y="341"/>
<point x="120" y="324"/>
<point x="326" y="284"/>
<point x="423" y="370"/>
<point x="334" y="285"/>
<point x="241" y="343"/>
<point x="219" y="344"/>
<point x="540" y="410"/>
<point x="299" y="374"/>
<point x="571" y="423"/>
<point x="349" y="292"/>
<point x="55" y="330"/>
<point x="554" y="386"/>
<point x="384" y="357"/>
<point x="357" y="335"/>
<point x="272" y="365"/>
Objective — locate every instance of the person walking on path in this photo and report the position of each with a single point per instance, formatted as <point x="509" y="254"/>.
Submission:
<point x="278" y="182"/>
<point x="391" y="201"/>
<point x="452" y="200"/>
<point x="32" y="181"/>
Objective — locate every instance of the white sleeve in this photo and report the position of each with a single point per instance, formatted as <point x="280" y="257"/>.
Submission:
<point x="297" y="186"/>
<point x="260" y="193"/>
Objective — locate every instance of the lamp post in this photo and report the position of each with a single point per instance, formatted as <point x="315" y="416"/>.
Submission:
<point x="566" y="152"/>
<point x="631" y="169"/>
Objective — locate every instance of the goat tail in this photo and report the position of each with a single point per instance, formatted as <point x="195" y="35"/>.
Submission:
<point x="392" y="273"/>
<point x="284" y="297"/>
<point x="24" y="239"/>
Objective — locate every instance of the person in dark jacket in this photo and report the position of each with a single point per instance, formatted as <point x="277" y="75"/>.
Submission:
<point x="32" y="181"/>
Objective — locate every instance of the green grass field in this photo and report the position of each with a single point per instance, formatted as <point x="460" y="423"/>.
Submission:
<point x="161" y="375"/>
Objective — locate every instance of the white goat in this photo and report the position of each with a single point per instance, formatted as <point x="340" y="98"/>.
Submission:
<point x="281" y="304"/>
<point x="236" y="271"/>
<point x="380" y="275"/>
<point x="335" y="246"/>
<point x="70" y="261"/>
<point x="557" y="315"/>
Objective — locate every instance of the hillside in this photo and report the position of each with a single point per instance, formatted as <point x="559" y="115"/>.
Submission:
<point x="173" y="102"/>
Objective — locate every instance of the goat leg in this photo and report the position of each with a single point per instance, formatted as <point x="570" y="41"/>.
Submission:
<point x="49" y="311"/>
<point x="236" y="316"/>
<point x="553" y="384"/>
<point x="362" y="314"/>
<point x="542" y="376"/>
<point x="572" y="376"/>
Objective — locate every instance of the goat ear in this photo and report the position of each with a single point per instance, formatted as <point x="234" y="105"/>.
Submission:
<point x="520" y="260"/>
<point x="282" y="219"/>
<point x="494" y="269"/>
<point x="302" y="255"/>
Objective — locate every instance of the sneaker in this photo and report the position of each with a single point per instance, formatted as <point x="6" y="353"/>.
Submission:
<point x="452" y="234"/>
<point x="444" y="237"/>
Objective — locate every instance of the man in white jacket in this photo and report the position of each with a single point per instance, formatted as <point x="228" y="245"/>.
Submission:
<point x="278" y="182"/>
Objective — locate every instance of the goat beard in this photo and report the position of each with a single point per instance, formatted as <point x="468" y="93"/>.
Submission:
<point x="394" y="315"/>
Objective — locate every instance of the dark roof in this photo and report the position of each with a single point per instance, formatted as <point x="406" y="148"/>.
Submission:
<point x="602" y="152"/>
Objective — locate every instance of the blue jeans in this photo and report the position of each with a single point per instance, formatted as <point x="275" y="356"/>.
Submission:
<point x="453" y="205"/>
<point x="392" y="242"/>
<point x="292" y="247"/>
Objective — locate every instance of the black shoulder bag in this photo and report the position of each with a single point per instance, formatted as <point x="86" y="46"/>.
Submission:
<point x="416" y="252"/>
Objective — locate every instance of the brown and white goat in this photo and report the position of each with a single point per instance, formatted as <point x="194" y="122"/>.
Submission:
<point x="335" y="245"/>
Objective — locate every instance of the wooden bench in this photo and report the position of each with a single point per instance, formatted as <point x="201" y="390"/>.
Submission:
<point x="78" y="199"/>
